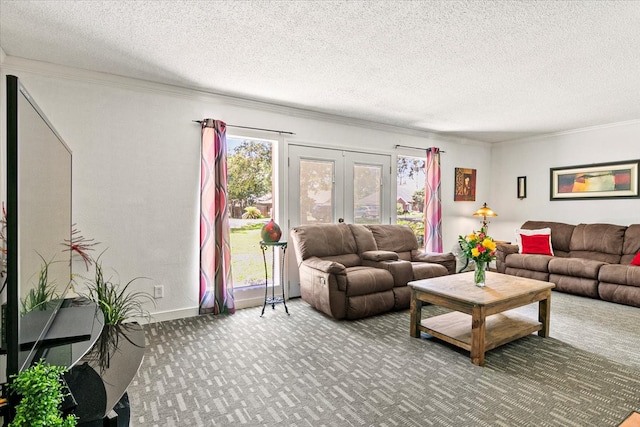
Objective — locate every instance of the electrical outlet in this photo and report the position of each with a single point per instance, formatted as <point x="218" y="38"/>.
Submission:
<point x="158" y="291"/>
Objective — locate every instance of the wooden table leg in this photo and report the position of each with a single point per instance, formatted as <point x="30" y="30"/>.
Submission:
<point x="544" y="315"/>
<point x="416" y="314"/>
<point x="478" y="329"/>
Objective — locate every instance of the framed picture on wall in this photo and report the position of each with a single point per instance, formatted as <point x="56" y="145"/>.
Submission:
<point x="522" y="187"/>
<point x="595" y="181"/>
<point x="465" y="188"/>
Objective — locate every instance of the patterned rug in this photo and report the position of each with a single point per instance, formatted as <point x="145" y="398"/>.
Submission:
<point x="309" y="370"/>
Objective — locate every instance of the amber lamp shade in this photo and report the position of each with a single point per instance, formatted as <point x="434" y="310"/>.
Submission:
<point x="484" y="212"/>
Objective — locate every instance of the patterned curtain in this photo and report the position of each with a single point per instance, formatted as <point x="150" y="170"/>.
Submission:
<point x="216" y="285"/>
<point x="432" y="203"/>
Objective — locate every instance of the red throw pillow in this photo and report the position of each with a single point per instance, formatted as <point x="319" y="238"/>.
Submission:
<point x="536" y="244"/>
<point x="636" y="259"/>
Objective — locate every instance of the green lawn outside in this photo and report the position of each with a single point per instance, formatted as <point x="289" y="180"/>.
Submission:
<point x="247" y="266"/>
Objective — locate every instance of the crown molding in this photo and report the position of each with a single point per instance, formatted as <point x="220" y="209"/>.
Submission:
<point x="569" y="132"/>
<point x="17" y="64"/>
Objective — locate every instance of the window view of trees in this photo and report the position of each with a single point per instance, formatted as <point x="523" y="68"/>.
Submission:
<point x="249" y="187"/>
<point x="410" y="193"/>
<point x="248" y="174"/>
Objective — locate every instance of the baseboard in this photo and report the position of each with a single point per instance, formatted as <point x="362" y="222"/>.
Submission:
<point x="163" y="316"/>
<point x="250" y="302"/>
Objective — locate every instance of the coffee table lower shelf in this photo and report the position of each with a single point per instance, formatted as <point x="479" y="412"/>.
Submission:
<point x="455" y="328"/>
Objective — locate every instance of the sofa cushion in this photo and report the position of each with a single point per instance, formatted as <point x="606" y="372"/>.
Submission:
<point x="425" y="270"/>
<point x="621" y="294"/>
<point x="620" y="274"/>
<point x="367" y="280"/>
<point x="631" y="244"/>
<point x="560" y="234"/>
<point x="523" y="231"/>
<point x="529" y="274"/>
<point x="364" y="238"/>
<point x="575" y="267"/>
<point x="601" y="242"/>
<point x="528" y="262"/>
<point x="369" y="305"/>
<point x="396" y="238"/>
<point x="575" y="285"/>
<point x="536" y="244"/>
<point x="323" y="240"/>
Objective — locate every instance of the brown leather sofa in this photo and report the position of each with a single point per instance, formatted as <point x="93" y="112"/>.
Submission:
<point x="589" y="259"/>
<point x="354" y="271"/>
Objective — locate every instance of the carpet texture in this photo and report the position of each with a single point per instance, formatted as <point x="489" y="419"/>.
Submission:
<point x="309" y="370"/>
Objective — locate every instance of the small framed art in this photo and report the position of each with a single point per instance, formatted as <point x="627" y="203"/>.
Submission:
<point x="465" y="188"/>
<point x="522" y="187"/>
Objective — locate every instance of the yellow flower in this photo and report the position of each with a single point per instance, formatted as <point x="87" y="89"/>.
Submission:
<point x="475" y="252"/>
<point x="489" y="244"/>
<point x="471" y="237"/>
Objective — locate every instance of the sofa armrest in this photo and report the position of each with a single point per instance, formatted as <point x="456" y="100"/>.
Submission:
<point x="330" y="267"/>
<point x="448" y="260"/>
<point x="502" y="250"/>
<point x="380" y="256"/>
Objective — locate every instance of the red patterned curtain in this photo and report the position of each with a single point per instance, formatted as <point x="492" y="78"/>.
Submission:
<point x="216" y="285"/>
<point x="432" y="203"/>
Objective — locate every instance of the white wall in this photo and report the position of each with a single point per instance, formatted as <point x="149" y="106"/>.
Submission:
<point x="136" y="166"/>
<point x="534" y="157"/>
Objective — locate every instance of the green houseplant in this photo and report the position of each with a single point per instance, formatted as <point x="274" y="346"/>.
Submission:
<point x="117" y="303"/>
<point x="39" y="296"/>
<point x="41" y="394"/>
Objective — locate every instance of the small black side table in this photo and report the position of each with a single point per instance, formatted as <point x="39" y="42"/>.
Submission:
<point x="273" y="299"/>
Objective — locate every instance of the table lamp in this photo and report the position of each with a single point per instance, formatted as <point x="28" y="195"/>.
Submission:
<point x="485" y="211"/>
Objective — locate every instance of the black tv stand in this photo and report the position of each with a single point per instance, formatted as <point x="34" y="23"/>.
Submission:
<point x="72" y="323"/>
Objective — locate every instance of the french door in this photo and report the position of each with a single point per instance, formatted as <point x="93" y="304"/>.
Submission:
<point x="329" y="186"/>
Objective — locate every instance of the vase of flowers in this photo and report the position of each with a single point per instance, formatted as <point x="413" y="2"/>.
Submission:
<point x="481" y="248"/>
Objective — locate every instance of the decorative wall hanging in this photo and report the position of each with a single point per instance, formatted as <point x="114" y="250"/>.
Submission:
<point x="595" y="181"/>
<point x="465" y="188"/>
<point x="522" y="187"/>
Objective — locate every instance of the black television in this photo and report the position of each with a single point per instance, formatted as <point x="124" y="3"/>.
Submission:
<point x="38" y="209"/>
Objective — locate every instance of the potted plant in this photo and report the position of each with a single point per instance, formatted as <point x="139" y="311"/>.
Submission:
<point x="42" y="294"/>
<point x="115" y="301"/>
<point x="118" y="305"/>
<point x="41" y="393"/>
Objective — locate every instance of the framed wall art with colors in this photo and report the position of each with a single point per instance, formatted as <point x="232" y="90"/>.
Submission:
<point x="595" y="181"/>
<point x="465" y="188"/>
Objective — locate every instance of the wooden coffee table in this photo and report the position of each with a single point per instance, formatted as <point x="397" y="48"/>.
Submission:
<point x="480" y="321"/>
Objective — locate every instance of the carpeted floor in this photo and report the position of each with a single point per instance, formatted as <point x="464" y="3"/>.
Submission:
<point x="308" y="370"/>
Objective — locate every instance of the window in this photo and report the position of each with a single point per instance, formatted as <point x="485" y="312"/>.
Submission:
<point x="250" y="190"/>
<point x="410" y="194"/>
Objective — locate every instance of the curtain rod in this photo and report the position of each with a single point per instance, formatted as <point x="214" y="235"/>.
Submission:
<point x="415" y="148"/>
<point x="247" y="127"/>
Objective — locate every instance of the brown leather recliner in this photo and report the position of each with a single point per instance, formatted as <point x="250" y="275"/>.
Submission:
<point x="345" y="275"/>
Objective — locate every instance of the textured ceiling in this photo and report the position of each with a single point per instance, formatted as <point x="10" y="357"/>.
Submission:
<point x="490" y="71"/>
